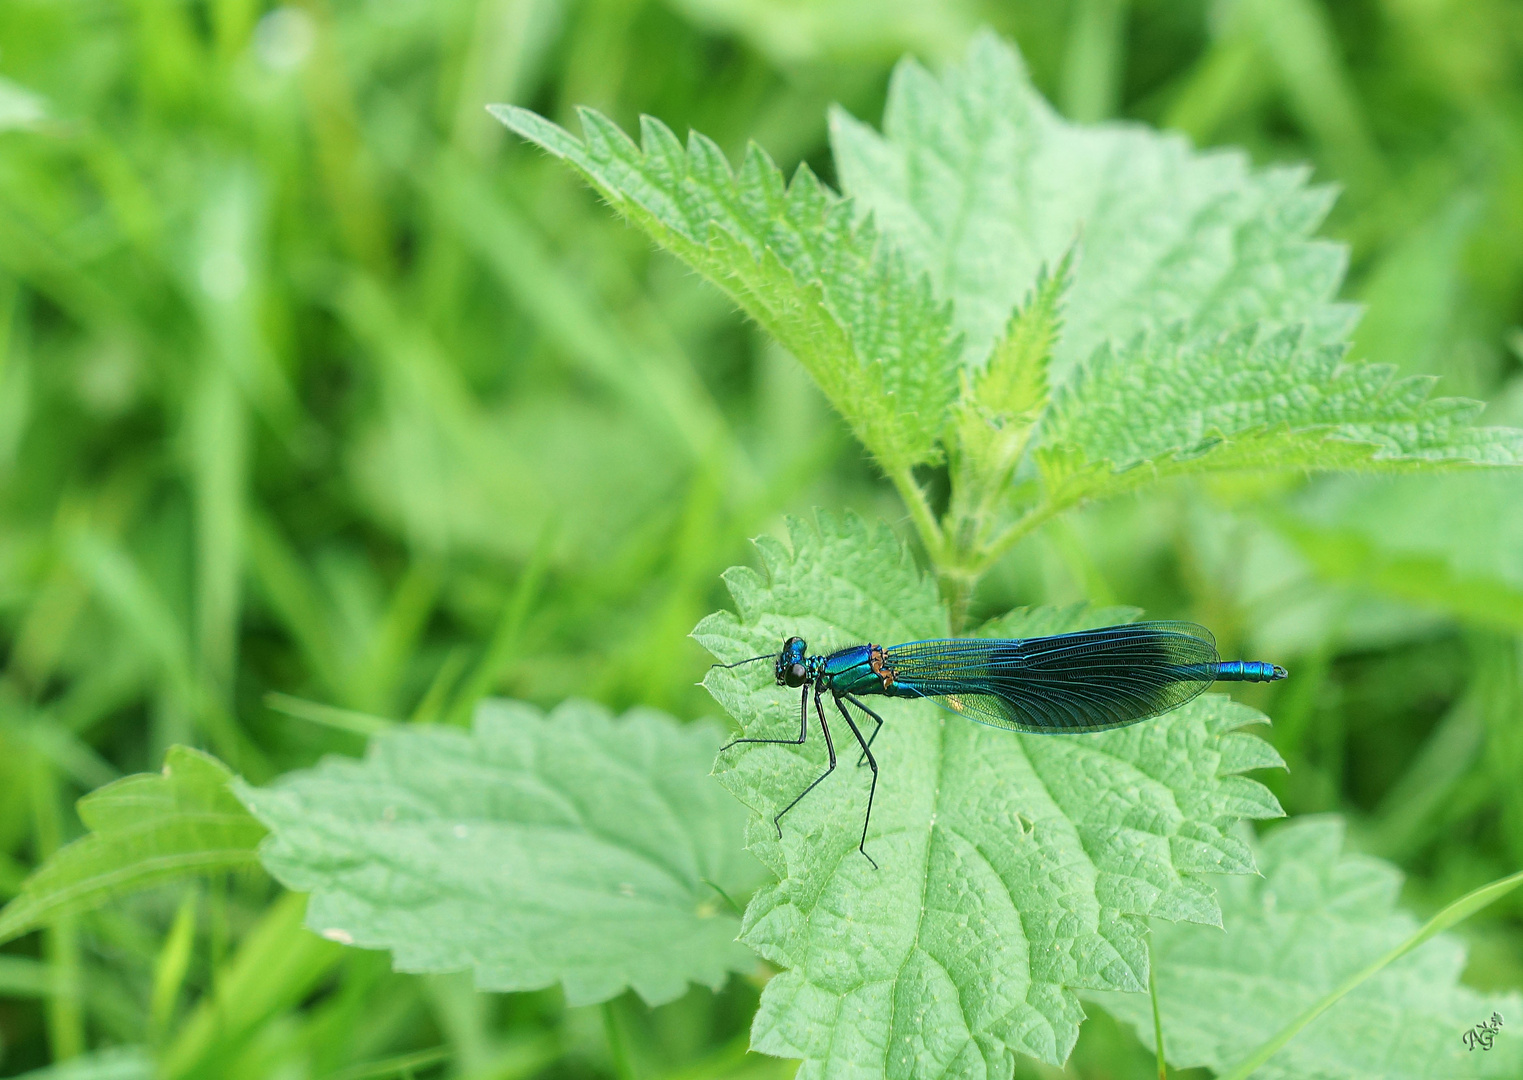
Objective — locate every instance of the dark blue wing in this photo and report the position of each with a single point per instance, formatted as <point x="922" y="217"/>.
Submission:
<point x="1086" y="681"/>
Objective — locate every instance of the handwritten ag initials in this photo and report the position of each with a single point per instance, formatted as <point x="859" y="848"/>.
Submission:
<point x="1483" y="1035"/>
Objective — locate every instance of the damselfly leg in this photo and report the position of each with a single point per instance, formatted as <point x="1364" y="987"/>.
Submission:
<point x="803" y="728"/>
<point x="873" y="762"/>
<point x="830" y="748"/>
<point x="877" y="725"/>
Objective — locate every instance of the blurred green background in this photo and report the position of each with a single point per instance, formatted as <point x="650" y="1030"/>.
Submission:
<point x="314" y="383"/>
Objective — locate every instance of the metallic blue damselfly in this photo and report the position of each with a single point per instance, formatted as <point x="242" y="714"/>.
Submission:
<point x="1091" y="680"/>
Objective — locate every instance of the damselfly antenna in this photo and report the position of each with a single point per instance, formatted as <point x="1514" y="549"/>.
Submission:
<point x="738" y="663"/>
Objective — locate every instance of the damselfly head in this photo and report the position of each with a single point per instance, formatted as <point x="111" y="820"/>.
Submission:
<point x="790" y="663"/>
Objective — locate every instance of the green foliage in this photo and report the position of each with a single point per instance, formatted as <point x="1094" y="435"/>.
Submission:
<point x="1201" y="332"/>
<point x="1166" y="404"/>
<point x="277" y="964"/>
<point x="1015" y="869"/>
<point x="1316" y="916"/>
<point x="573" y="848"/>
<point x="981" y="183"/>
<point x="844" y="30"/>
<point x="1203" y="337"/>
<point x="1001" y="402"/>
<point x="129" y="1063"/>
<point x="315" y="383"/>
<point x="144" y="830"/>
<point x="793" y="257"/>
<point x="1450" y="544"/>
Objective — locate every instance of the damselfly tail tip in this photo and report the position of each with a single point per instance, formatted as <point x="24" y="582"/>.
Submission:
<point x="1279" y="673"/>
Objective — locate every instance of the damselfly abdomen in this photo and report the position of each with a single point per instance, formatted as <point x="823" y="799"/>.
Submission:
<point x="1087" y="681"/>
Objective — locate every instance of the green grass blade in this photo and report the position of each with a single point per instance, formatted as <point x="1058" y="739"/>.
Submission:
<point x="661" y="385"/>
<point x="1316" y="946"/>
<point x="506" y="639"/>
<point x="1163" y="1069"/>
<point x="277" y="964"/>
<point x="399" y="1065"/>
<point x="171" y="965"/>
<point x="1456" y="912"/>
<point x="23" y="977"/>
<point x="360" y="723"/>
<point x="117" y="1063"/>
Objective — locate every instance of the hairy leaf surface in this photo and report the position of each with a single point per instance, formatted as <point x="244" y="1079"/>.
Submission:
<point x="1015" y="869"/>
<point x="1200" y="330"/>
<point x="1317" y="916"/>
<point x="573" y="848"/>
<point x="144" y="830"/>
<point x="981" y="183"/>
<point x="1167" y="403"/>
<point x="795" y="257"/>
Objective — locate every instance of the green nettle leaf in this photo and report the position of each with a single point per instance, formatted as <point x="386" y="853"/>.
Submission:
<point x="1167" y="403"/>
<point x="1200" y="328"/>
<point x="981" y="183"/>
<point x="796" y="258"/>
<point x="1317" y="916"/>
<point x="1015" y="869"/>
<point x="573" y="848"/>
<point x="144" y="830"/>
<point x="1002" y="401"/>
<point x="1013" y="384"/>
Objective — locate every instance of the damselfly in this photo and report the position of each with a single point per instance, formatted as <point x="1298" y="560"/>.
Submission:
<point x="1091" y="680"/>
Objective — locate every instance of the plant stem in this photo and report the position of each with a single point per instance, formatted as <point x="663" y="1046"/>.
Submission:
<point x="1023" y="527"/>
<point x="618" y="1045"/>
<point x="957" y="592"/>
<point x="1163" y="1071"/>
<point x="1462" y="908"/>
<point x="920" y="513"/>
<point x="61" y="947"/>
